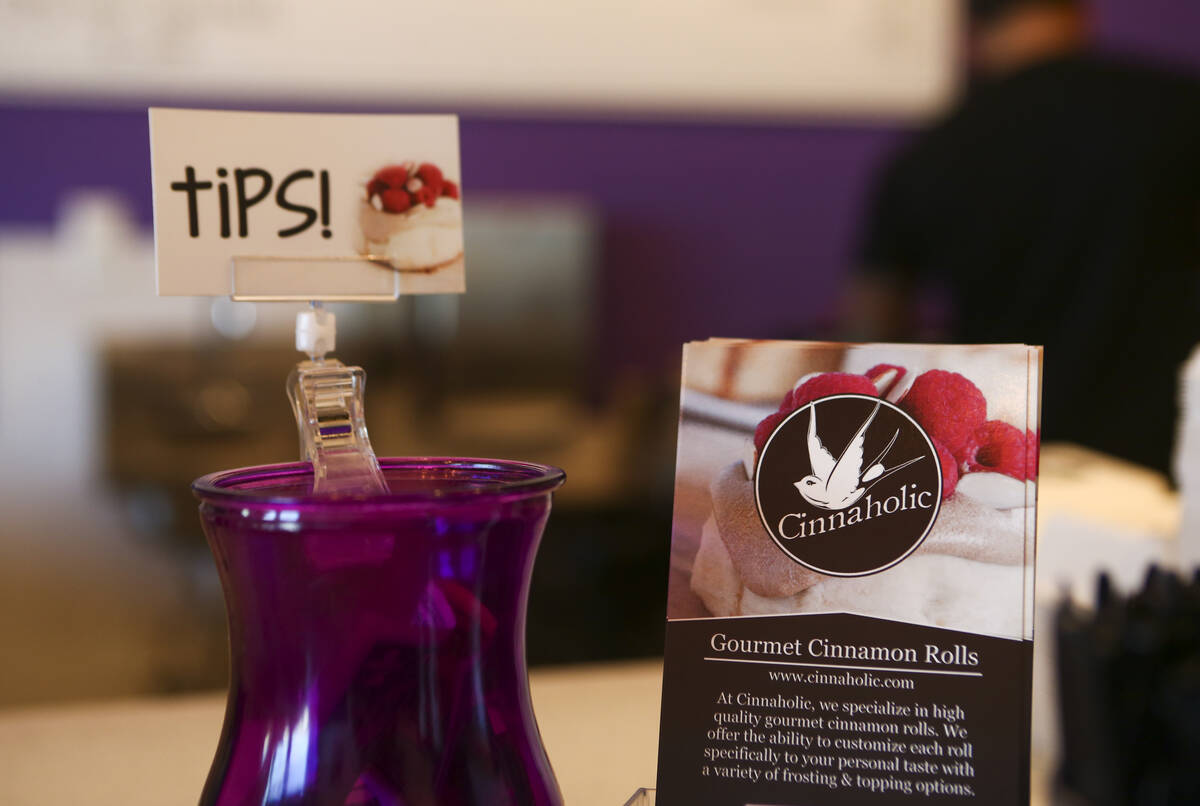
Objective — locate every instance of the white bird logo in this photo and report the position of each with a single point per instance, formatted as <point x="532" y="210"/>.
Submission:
<point x="839" y="484"/>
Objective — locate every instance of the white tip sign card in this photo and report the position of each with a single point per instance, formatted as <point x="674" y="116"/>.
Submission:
<point x="306" y="206"/>
<point x="850" y="611"/>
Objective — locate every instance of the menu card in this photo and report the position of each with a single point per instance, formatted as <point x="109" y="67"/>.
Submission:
<point x="850" y="612"/>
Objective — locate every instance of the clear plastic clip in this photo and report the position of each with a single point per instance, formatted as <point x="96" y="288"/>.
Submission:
<point x="327" y="399"/>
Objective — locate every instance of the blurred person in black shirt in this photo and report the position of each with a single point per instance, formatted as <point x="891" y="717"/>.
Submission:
<point x="1057" y="203"/>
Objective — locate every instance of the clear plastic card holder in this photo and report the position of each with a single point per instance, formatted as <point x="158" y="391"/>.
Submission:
<point x="355" y="278"/>
<point x="643" y="797"/>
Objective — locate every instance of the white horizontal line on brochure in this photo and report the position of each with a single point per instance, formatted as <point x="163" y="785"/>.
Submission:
<point x="855" y="668"/>
<point x="857" y="613"/>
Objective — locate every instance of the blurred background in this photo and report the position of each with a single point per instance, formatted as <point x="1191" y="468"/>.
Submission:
<point x="636" y="175"/>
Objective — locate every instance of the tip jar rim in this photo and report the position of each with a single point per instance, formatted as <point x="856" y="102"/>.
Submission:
<point x="511" y="479"/>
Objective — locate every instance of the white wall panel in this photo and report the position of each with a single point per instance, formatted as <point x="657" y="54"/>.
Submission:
<point x="842" y="57"/>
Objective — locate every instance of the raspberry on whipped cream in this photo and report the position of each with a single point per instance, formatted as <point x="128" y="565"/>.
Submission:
<point x="948" y="406"/>
<point x="807" y="389"/>
<point x="949" y="465"/>
<point x="826" y="384"/>
<point x="998" y="447"/>
<point x="411" y="217"/>
<point x="887" y="378"/>
<point x="1033" y="443"/>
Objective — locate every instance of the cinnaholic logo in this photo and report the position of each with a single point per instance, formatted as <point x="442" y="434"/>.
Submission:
<point x="848" y="485"/>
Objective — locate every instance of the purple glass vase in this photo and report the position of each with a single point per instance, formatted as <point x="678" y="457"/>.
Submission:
<point x="378" y="643"/>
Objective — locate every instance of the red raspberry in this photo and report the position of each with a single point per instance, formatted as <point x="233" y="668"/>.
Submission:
<point x="427" y="195"/>
<point x="393" y="176"/>
<point x="877" y="371"/>
<point x="826" y="384"/>
<point x="450" y="189"/>
<point x="949" y="469"/>
<point x="395" y="200"/>
<point x="948" y="406"/>
<point x="818" y="386"/>
<point x="375" y="187"/>
<point x="431" y="175"/>
<point x="766" y="428"/>
<point x="1033" y="442"/>
<point x="997" y="447"/>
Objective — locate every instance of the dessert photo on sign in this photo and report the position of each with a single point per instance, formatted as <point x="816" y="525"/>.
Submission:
<point x="411" y="218"/>
<point x="895" y="481"/>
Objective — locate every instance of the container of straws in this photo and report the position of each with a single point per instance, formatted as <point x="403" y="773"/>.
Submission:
<point x="1129" y="694"/>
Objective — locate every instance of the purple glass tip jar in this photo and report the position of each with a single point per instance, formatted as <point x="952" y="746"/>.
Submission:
<point x="378" y="643"/>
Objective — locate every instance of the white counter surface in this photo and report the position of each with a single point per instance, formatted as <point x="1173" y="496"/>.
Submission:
<point x="599" y="724"/>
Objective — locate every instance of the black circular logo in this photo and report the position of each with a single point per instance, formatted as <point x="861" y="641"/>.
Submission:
<point x="848" y="485"/>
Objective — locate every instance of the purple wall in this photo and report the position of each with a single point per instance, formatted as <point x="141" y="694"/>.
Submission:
<point x="711" y="229"/>
<point x="1163" y="30"/>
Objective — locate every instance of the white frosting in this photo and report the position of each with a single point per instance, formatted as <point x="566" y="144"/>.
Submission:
<point x="420" y="238"/>
<point x="994" y="490"/>
<point x="939" y="590"/>
<point x="934" y="589"/>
